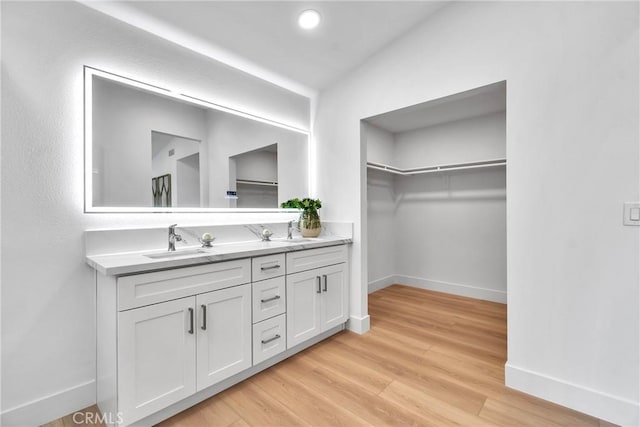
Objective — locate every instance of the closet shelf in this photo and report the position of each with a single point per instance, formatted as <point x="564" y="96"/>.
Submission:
<point x="437" y="168"/>
<point x="254" y="182"/>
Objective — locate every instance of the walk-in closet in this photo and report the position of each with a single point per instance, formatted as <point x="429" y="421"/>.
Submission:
<point x="436" y="195"/>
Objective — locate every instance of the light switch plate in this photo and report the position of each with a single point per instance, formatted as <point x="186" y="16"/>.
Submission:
<point x="631" y="213"/>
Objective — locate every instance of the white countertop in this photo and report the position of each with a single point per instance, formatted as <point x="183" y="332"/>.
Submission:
<point x="117" y="264"/>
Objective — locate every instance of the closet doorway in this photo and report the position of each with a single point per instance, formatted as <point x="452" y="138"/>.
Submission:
<point x="436" y="195"/>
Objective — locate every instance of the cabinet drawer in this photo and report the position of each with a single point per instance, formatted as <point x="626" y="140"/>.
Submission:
<point x="266" y="267"/>
<point x="269" y="298"/>
<point x="150" y="288"/>
<point x="269" y="338"/>
<point x="314" y="258"/>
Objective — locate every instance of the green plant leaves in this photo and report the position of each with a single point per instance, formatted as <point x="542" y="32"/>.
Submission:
<point x="306" y="204"/>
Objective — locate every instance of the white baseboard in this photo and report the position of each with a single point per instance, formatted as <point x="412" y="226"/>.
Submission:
<point x="378" y="284"/>
<point x="52" y="407"/>
<point x="359" y="325"/>
<point x="591" y="402"/>
<point x="452" y="288"/>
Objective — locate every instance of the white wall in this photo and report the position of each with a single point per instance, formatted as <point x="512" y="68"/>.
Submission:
<point x="572" y="146"/>
<point x="468" y="140"/>
<point x="188" y="185"/>
<point x="451" y="233"/>
<point x="381" y="208"/>
<point x="48" y="292"/>
<point x="381" y="229"/>
<point x="380" y="145"/>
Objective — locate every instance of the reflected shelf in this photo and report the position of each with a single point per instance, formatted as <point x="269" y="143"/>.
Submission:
<point x="437" y="168"/>
<point x="255" y="182"/>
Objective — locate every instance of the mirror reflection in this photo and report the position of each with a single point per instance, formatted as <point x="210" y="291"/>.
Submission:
<point x="154" y="149"/>
<point x="256" y="177"/>
<point x="177" y="157"/>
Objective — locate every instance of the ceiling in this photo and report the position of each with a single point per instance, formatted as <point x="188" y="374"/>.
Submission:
<point x="265" y="33"/>
<point x="464" y="105"/>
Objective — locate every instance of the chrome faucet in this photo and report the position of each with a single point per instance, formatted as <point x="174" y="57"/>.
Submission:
<point x="290" y="229"/>
<point x="173" y="237"/>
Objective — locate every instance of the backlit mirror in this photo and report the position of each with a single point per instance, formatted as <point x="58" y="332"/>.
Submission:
<point x="151" y="149"/>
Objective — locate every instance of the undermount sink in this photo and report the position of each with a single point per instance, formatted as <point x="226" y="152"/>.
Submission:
<point x="178" y="253"/>
<point x="299" y="240"/>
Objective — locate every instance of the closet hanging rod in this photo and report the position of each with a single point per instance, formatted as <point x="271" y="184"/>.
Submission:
<point x="255" y="182"/>
<point x="437" y="168"/>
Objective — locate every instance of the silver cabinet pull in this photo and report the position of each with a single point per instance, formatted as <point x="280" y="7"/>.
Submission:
<point x="271" y="267"/>
<point x="204" y="317"/>
<point x="270" y="299"/>
<point x="324" y="277"/>
<point x="319" y="285"/>
<point x="271" y="339"/>
<point x="190" y="320"/>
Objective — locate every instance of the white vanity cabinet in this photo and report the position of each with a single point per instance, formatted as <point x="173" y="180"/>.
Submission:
<point x="317" y="292"/>
<point x="167" y="345"/>
<point x="170" y="350"/>
<point x="168" y="339"/>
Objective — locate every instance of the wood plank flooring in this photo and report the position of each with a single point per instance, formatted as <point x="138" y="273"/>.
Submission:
<point x="430" y="359"/>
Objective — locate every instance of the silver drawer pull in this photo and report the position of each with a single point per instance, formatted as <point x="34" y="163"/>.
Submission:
<point x="271" y="267"/>
<point x="204" y="317"/>
<point x="270" y="299"/>
<point x="271" y="339"/>
<point x="190" y="320"/>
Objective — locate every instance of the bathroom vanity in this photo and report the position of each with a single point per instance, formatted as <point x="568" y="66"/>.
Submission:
<point x="175" y="329"/>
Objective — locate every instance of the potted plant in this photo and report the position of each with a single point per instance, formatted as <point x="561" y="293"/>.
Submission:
<point x="309" y="224"/>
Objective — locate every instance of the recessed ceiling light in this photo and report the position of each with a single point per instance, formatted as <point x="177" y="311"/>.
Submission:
<point x="309" y="19"/>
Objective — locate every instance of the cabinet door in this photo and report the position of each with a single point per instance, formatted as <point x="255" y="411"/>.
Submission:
<point x="303" y="307"/>
<point x="156" y="357"/>
<point x="335" y="295"/>
<point x="224" y="334"/>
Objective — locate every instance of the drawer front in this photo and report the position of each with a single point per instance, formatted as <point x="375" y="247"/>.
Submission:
<point x="269" y="338"/>
<point x="269" y="298"/>
<point x="150" y="288"/>
<point x="266" y="267"/>
<point x="315" y="258"/>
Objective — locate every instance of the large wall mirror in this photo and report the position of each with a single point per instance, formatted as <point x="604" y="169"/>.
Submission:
<point x="149" y="149"/>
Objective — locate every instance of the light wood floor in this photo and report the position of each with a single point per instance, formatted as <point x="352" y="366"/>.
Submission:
<point x="429" y="359"/>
